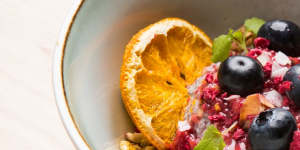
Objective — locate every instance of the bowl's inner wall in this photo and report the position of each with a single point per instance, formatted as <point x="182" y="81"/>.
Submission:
<point x="102" y="28"/>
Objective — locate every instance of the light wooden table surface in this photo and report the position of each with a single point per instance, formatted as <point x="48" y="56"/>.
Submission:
<point x="29" y="119"/>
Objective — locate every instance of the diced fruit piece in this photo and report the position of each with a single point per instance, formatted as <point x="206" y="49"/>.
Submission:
<point x="265" y="101"/>
<point x="278" y="70"/>
<point x="293" y="75"/>
<point x="251" y="106"/>
<point x="241" y="75"/>
<point x="274" y="97"/>
<point x="282" y="59"/>
<point x="272" y="130"/>
<point x="264" y="58"/>
<point x="217" y="107"/>
<point x="283" y="35"/>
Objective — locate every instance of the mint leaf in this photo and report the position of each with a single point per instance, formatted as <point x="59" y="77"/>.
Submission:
<point x="253" y="24"/>
<point x="230" y="31"/>
<point x="241" y="39"/>
<point x="238" y="35"/>
<point x="212" y="140"/>
<point x="221" y="47"/>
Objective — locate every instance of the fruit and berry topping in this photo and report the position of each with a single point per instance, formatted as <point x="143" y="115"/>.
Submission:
<point x="283" y="35"/>
<point x="241" y="75"/>
<point x="240" y="92"/>
<point x="272" y="130"/>
<point x="293" y="75"/>
<point x="248" y="99"/>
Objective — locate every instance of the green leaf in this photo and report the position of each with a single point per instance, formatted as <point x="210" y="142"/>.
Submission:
<point x="253" y="24"/>
<point x="212" y="140"/>
<point x="221" y="47"/>
<point x="238" y="35"/>
<point x="230" y="31"/>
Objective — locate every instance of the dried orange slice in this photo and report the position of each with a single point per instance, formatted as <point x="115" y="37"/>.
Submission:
<point x="159" y="62"/>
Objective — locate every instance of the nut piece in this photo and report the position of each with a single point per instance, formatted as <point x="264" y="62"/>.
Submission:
<point x="242" y="29"/>
<point x="125" y="145"/>
<point x="249" y="38"/>
<point x="137" y="138"/>
<point x="236" y="47"/>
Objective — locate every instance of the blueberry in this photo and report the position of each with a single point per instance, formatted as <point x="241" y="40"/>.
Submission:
<point x="283" y="35"/>
<point x="293" y="75"/>
<point x="272" y="130"/>
<point x="241" y="75"/>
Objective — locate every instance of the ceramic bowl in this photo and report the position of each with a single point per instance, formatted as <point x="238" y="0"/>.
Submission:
<point x="89" y="55"/>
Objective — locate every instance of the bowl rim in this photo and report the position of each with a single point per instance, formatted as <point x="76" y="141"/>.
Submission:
<point x="58" y="81"/>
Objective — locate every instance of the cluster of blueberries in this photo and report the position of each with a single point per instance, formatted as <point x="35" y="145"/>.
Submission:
<point x="272" y="129"/>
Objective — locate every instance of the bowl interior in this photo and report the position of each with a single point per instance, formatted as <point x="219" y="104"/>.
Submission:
<point x="102" y="28"/>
